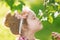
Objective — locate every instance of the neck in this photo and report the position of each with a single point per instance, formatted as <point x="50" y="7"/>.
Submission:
<point x="28" y="34"/>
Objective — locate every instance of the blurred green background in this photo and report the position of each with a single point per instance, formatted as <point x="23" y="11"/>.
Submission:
<point x="48" y="11"/>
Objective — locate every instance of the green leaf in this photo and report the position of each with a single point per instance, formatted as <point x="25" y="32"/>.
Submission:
<point x="52" y="1"/>
<point x="58" y="7"/>
<point x="10" y="3"/>
<point x="57" y="0"/>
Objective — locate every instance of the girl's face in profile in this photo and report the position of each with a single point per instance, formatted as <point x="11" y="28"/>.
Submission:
<point x="34" y="23"/>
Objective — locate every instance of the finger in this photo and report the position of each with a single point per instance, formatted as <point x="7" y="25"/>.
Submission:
<point x="58" y="35"/>
<point x="53" y="33"/>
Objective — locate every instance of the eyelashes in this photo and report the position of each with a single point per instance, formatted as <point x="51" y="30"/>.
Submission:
<point x="33" y="18"/>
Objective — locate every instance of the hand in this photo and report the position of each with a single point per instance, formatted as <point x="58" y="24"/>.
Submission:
<point x="56" y="35"/>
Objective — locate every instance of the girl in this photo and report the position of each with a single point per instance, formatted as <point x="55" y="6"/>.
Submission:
<point x="31" y="24"/>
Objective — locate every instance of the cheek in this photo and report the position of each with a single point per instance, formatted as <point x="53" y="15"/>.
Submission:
<point x="36" y="27"/>
<point x="40" y="27"/>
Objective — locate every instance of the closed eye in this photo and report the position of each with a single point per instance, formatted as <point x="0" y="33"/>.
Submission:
<point x="33" y="18"/>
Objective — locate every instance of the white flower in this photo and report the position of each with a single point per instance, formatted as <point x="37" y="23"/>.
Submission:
<point x="56" y="4"/>
<point x="40" y="13"/>
<point x="44" y="19"/>
<point x="47" y="1"/>
<point x="56" y="14"/>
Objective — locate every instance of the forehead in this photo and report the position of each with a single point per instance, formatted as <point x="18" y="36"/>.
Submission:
<point x="31" y="14"/>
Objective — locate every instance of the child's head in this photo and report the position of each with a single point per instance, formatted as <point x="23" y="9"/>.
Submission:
<point x="33" y="22"/>
<point x="30" y="22"/>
